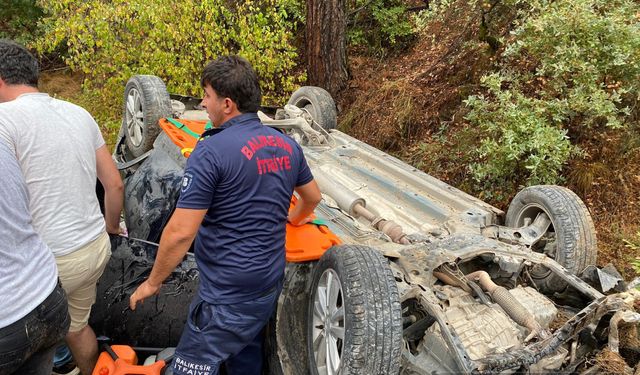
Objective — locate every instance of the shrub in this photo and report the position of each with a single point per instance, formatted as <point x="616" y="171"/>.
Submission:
<point x="634" y="245"/>
<point x="378" y="24"/>
<point x="19" y="19"/>
<point x="570" y="66"/>
<point x="111" y="40"/>
<point x="522" y="142"/>
<point x="587" y="52"/>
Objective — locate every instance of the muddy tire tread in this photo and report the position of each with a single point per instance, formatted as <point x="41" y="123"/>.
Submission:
<point x="575" y="231"/>
<point x="324" y="108"/>
<point x="373" y="337"/>
<point x="156" y="104"/>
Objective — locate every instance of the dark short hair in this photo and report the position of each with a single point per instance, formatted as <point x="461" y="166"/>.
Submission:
<point x="233" y="77"/>
<point x="17" y="65"/>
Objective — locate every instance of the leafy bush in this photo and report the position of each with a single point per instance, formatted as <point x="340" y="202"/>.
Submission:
<point x="378" y="24"/>
<point x="19" y="19"/>
<point x="436" y="12"/>
<point x="111" y="40"/>
<point x="522" y="140"/>
<point x="588" y="53"/>
<point x="571" y="65"/>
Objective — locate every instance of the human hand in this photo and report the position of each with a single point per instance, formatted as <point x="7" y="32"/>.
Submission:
<point x="302" y="222"/>
<point x="118" y="231"/>
<point x="145" y="290"/>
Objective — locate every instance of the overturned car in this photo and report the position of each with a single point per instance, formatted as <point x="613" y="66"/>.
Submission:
<point x="404" y="273"/>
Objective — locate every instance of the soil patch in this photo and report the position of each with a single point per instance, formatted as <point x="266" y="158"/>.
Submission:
<point x="61" y="83"/>
<point x="403" y="99"/>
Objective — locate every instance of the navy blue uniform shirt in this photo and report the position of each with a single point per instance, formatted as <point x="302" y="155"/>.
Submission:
<point x="244" y="176"/>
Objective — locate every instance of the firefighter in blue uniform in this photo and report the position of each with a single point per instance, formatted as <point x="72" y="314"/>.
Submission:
<point x="234" y="202"/>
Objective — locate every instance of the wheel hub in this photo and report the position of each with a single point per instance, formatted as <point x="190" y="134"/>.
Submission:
<point x="134" y="117"/>
<point x="328" y="324"/>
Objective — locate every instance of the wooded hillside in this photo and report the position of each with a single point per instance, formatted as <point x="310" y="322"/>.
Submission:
<point x="489" y="96"/>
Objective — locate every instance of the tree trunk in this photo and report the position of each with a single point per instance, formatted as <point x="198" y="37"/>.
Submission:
<point x="326" y="45"/>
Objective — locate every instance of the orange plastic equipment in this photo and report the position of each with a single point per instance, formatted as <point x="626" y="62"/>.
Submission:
<point x="125" y="364"/>
<point x="308" y="242"/>
<point x="181" y="138"/>
<point x="304" y="243"/>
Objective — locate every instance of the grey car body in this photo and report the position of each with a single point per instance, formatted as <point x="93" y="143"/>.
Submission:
<point x="428" y="280"/>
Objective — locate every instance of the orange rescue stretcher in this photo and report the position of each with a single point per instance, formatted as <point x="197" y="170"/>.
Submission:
<point x="304" y="243"/>
<point x="122" y="360"/>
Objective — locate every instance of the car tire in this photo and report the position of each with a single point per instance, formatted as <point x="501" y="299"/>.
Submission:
<point x="354" y="306"/>
<point x="571" y="239"/>
<point x="318" y="103"/>
<point x="146" y="101"/>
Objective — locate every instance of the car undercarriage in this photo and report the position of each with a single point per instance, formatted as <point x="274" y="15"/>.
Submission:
<point x="425" y="279"/>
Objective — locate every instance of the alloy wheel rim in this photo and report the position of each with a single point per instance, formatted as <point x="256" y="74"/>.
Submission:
<point x="328" y="323"/>
<point x="134" y="117"/>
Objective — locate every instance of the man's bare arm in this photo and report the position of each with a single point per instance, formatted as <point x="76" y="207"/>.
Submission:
<point x="310" y="196"/>
<point x="176" y="239"/>
<point x="113" y="189"/>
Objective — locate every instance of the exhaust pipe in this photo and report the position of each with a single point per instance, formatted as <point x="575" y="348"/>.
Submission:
<point x="509" y="304"/>
<point x="503" y="298"/>
<point x="355" y="206"/>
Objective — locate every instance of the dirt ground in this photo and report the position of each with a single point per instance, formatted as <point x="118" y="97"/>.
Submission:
<point x="61" y="82"/>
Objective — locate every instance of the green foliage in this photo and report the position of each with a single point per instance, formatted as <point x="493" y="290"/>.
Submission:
<point x="295" y="10"/>
<point x="587" y="52"/>
<point x="19" y="19"/>
<point x="634" y="245"/>
<point x="111" y="40"/>
<point x="570" y="66"/>
<point x="378" y="24"/>
<point x="523" y="143"/>
<point x="436" y="12"/>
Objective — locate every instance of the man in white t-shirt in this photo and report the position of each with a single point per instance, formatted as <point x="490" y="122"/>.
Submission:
<point x="60" y="150"/>
<point x="33" y="309"/>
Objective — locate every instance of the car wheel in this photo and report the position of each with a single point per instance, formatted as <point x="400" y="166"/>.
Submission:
<point x="318" y="103"/>
<point x="146" y="101"/>
<point x="354" y="314"/>
<point x="571" y="237"/>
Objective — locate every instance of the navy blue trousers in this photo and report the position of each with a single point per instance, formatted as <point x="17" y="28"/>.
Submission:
<point x="232" y="334"/>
